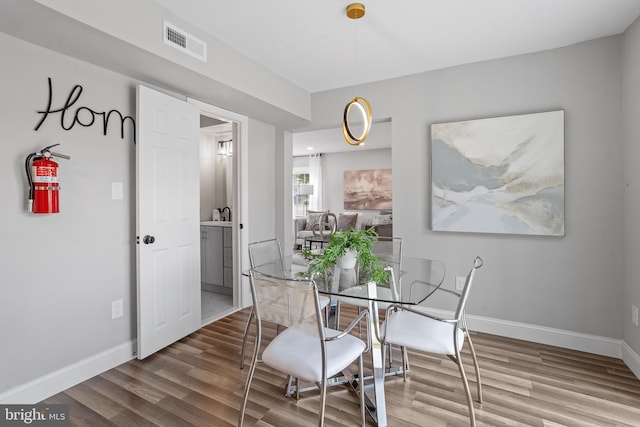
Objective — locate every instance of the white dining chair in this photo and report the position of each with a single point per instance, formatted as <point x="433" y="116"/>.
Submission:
<point x="415" y="328"/>
<point x="261" y="253"/>
<point x="306" y="349"/>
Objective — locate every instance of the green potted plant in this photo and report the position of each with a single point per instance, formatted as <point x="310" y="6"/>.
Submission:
<point x="341" y="244"/>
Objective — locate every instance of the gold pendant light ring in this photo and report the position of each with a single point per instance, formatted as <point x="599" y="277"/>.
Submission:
<point x="364" y="108"/>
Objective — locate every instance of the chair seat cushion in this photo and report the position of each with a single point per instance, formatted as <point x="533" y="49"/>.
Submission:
<point x="297" y="353"/>
<point x="421" y="333"/>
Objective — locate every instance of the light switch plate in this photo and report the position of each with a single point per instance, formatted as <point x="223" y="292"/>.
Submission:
<point x="117" y="191"/>
<point x="460" y="282"/>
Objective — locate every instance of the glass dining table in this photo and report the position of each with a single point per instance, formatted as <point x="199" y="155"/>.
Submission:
<point x="414" y="280"/>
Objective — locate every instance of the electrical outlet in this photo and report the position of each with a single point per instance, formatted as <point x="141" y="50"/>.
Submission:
<point x="117" y="191"/>
<point x="116" y="309"/>
<point x="460" y="282"/>
<point x="634" y="315"/>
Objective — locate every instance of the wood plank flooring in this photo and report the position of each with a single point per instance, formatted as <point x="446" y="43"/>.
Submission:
<point x="197" y="381"/>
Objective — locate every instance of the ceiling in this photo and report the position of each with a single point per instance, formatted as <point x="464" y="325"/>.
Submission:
<point x="314" y="45"/>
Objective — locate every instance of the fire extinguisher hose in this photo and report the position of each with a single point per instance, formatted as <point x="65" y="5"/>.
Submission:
<point x="27" y="166"/>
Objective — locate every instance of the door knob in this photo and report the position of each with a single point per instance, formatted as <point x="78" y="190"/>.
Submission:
<point x="148" y="239"/>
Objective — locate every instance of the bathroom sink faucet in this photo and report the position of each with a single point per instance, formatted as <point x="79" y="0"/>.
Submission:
<point x="228" y="209"/>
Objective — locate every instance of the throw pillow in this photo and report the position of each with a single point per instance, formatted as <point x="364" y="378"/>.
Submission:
<point x="347" y="221"/>
<point x="313" y="218"/>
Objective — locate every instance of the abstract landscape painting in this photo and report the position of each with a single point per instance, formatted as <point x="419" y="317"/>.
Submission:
<point x="367" y="189"/>
<point x="499" y="175"/>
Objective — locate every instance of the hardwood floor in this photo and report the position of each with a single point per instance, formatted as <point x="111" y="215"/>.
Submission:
<point x="197" y="381"/>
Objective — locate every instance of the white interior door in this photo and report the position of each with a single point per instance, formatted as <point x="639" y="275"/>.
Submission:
<point x="167" y="220"/>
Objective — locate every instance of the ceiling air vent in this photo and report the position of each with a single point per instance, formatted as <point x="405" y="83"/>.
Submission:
<point x="175" y="37"/>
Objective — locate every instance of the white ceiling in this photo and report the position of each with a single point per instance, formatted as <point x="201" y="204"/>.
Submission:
<point x="314" y="45"/>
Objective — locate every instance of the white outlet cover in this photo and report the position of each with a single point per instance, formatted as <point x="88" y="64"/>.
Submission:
<point x="634" y="315"/>
<point x="117" y="191"/>
<point x="460" y="282"/>
<point x="116" y="309"/>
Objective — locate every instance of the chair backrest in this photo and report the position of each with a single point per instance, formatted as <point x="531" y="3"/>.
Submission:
<point x="327" y="225"/>
<point x="477" y="263"/>
<point x="264" y="252"/>
<point x="291" y="303"/>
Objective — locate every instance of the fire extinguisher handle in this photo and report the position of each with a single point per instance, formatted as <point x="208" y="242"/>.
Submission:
<point x="148" y="239"/>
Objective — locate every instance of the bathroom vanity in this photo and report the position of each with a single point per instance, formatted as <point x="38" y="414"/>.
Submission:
<point x="216" y="256"/>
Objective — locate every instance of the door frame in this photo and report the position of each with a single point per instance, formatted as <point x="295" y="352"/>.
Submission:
<point x="241" y="290"/>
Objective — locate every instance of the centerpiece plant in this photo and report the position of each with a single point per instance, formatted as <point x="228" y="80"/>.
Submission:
<point x="361" y="242"/>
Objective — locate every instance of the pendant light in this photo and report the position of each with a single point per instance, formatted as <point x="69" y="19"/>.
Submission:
<point x="356" y="11"/>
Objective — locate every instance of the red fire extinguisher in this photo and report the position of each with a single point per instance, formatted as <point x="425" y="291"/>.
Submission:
<point x="42" y="174"/>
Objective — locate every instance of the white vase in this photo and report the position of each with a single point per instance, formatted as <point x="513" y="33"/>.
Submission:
<point x="348" y="260"/>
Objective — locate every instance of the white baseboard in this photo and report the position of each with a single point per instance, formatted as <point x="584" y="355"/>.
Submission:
<point x="544" y="335"/>
<point x="60" y="380"/>
<point x="557" y="337"/>
<point x="631" y="358"/>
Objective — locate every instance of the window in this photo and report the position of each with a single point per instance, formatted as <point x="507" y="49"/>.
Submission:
<point x="301" y="192"/>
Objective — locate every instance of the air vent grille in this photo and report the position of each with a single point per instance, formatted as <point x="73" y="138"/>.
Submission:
<point x="175" y="37"/>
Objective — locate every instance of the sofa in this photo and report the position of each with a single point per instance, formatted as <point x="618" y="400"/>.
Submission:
<point x="318" y="223"/>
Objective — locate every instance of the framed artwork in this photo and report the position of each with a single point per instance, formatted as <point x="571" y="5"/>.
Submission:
<point x="499" y="175"/>
<point x="367" y="189"/>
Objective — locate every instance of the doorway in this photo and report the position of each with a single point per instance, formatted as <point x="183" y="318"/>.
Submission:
<point x="223" y="138"/>
<point x="216" y="218"/>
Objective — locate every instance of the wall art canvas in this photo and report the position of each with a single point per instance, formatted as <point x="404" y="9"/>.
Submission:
<point x="499" y="175"/>
<point x="367" y="189"/>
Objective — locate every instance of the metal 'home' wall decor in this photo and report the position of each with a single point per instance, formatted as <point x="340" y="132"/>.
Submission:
<point x="83" y="116"/>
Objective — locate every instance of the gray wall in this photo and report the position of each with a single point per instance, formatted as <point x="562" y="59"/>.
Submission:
<point x="573" y="283"/>
<point x="262" y="173"/>
<point x="631" y="182"/>
<point x="61" y="272"/>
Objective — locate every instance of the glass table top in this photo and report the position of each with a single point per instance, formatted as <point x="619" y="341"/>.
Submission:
<point x="415" y="278"/>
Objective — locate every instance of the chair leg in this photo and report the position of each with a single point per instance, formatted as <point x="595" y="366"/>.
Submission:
<point x="405" y="364"/>
<point x="323" y="400"/>
<point x="288" y="390"/>
<point x="465" y="383"/>
<point x="405" y="359"/>
<point x="244" y="337"/>
<point x="361" y="375"/>
<point x="477" y="368"/>
<point x="247" y="386"/>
